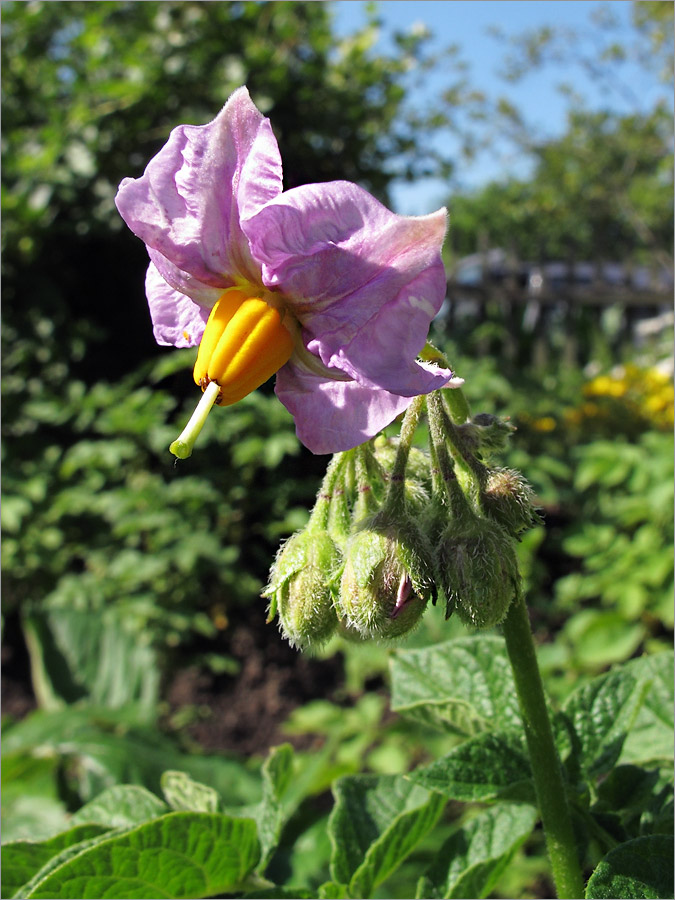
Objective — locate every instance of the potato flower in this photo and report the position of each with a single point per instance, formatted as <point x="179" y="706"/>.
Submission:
<point x="321" y="284"/>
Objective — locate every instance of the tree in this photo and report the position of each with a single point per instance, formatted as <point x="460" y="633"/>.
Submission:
<point x="604" y="189"/>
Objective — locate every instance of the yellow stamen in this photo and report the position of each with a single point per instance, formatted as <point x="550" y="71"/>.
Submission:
<point x="244" y="343"/>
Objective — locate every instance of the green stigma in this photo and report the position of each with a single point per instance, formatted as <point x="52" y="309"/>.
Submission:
<point x="182" y="446"/>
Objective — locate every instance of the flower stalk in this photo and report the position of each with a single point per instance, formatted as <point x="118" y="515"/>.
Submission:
<point x="396" y="493"/>
<point x="546" y="766"/>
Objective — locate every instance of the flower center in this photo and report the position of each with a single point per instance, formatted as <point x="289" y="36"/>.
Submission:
<point x="244" y="343"/>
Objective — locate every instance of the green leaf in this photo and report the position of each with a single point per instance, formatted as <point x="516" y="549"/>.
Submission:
<point x="651" y="735"/>
<point x="183" y="793"/>
<point x="274" y="808"/>
<point x="490" y="765"/>
<point x="642" y="799"/>
<point x="121" y="806"/>
<point x="601" y="714"/>
<point x="599" y="637"/>
<point x="472" y="859"/>
<point x="463" y="686"/>
<point x="78" y="654"/>
<point x="22" y="859"/>
<point x="375" y="823"/>
<point x="106" y="754"/>
<point x="177" y="855"/>
<point x="637" y="869"/>
<point x="304" y="850"/>
<point x="332" y="890"/>
<point x="61" y="858"/>
<point x="31" y="806"/>
<point x="280" y="893"/>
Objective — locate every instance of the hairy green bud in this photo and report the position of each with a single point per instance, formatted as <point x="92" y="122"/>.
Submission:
<point x="302" y="587"/>
<point x="486" y="434"/>
<point x="509" y="500"/>
<point x="385" y="583"/>
<point x="479" y="572"/>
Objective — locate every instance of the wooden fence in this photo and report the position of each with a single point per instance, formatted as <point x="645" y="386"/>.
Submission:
<point x="536" y="309"/>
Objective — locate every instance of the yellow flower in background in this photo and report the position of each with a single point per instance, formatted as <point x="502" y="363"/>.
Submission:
<point x="546" y="423"/>
<point x="603" y="385"/>
<point x="628" y="391"/>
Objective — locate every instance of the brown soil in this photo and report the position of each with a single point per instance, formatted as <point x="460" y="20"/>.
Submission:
<point x="241" y="713"/>
<point x="17" y="694"/>
<point x="244" y="713"/>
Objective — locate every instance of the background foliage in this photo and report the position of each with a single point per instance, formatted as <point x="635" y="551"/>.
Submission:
<point x="120" y="570"/>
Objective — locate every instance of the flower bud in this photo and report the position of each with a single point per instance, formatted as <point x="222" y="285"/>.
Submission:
<point x="486" y="434"/>
<point x="385" y="583"/>
<point x="302" y="585"/>
<point x="479" y="572"/>
<point x="509" y="500"/>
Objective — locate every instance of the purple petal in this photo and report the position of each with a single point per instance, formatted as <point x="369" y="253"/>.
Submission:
<point x="176" y="320"/>
<point x="202" y="294"/>
<point x="364" y="282"/>
<point x="187" y="204"/>
<point x="331" y="416"/>
<point x="382" y="354"/>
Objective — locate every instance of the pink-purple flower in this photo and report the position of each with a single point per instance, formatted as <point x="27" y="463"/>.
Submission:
<point x="354" y="285"/>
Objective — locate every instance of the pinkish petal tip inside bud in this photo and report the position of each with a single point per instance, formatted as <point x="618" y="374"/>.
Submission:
<point x="403" y="595"/>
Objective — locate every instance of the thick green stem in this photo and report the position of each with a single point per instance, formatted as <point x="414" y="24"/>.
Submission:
<point x="546" y="766"/>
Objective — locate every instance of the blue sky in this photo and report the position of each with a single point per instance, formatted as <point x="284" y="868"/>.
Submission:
<point x="466" y="23"/>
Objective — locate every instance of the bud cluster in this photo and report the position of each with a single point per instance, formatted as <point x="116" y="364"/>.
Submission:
<point x="394" y="526"/>
<point x="488" y="509"/>
<point x="361" y="566"/>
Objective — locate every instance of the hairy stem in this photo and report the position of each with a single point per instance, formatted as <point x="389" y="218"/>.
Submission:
<point x="546" y="767"/>
<point x="320" y="513"/>
<point x="396" y="491"/>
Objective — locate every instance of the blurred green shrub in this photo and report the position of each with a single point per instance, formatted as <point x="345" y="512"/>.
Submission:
<point x="112" y="554"/>
<point x="622" y="537"/>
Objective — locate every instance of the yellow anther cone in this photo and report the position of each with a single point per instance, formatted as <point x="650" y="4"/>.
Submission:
<point x="244" y="344"/>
